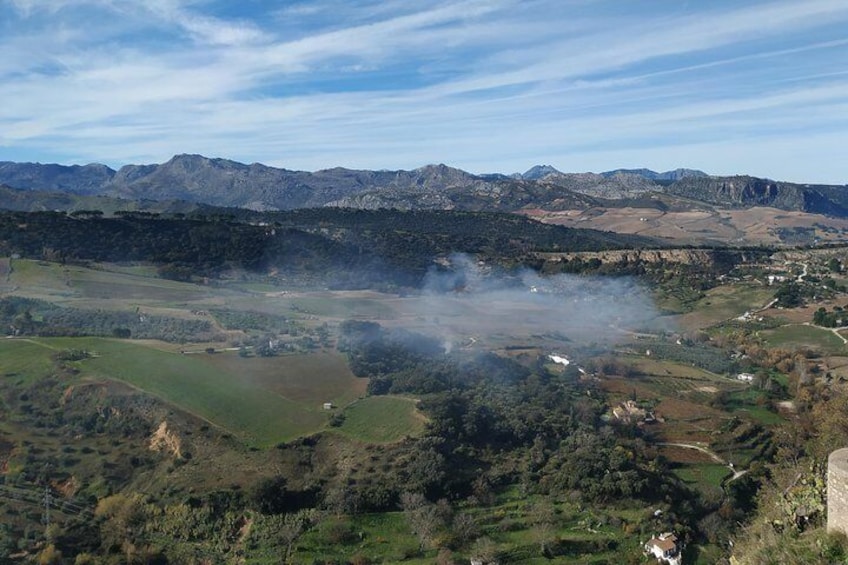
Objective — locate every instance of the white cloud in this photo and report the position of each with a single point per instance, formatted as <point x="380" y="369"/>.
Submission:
<point x="487" y="85"/>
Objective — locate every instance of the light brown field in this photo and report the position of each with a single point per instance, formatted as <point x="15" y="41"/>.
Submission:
<point x="684" y="420"/>
<point x="753" y="225"/>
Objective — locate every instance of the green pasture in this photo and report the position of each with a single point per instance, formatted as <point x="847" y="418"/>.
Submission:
<point x="747" y="403"/>
<point x="310" y="379"/>
<point x="709" y="475"/>
<point x="253" y="407"/>
<point x="134" y="269"/>
<point x="24" y="359"/>
<point x="38" y="278"/>
<point x="126" y="286"/>
<point x="725" y="302"/>
<point x="595" y="534"/>
<point x="760" y="415"/>
<point x="56" y="282"/>
<point x="382" y="419"/>
<point x="798" y="335"/>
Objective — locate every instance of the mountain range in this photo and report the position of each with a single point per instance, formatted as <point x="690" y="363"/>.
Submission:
<point x="221" y="182"/>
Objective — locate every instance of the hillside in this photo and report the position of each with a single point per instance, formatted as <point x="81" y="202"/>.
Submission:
<point x="331" y="383"/>
<point x="330" y="246"/>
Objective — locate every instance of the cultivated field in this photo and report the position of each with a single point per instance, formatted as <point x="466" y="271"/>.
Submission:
<point x="261" y="401"/>
<point x="726" y="302"/>
<point x="752" y="225"/>
<point x="25" y="360"/>
<point x="796" y="336"/>
<point x="382" y="419"/>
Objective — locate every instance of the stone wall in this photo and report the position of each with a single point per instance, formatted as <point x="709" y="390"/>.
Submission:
<point x="837" y="491"/>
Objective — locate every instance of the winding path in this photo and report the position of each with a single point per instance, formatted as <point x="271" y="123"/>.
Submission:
<point x="713" y="455"/>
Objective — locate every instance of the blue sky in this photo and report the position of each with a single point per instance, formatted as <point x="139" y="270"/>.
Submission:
<point x="486" y="86"/>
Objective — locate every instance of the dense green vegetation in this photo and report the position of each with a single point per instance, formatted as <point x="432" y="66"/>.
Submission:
<point x="221" y="449"/>
<point x="341" y="248"/>
<point x="528" y="429"/>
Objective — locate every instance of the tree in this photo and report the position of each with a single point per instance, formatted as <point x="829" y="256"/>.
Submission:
<point x="292" y="527"/>
<point x="123" y="523"/>
<point x="464" y="528"/>
<point x="542" y="517"/>
<point x="50" y="556"/>
<point x="425" y="519"/>
<point x="485" y="550"/>
<point x="122" y="333"/>
<point x="789" y="295"/>
<point x="269" y="495"/>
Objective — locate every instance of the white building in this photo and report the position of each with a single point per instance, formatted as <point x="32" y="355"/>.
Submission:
<point x="665" y="548"/>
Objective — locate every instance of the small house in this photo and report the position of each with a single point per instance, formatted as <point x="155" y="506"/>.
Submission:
<point x="745" y="377"/>
<point x="328" y="406"/>
<point x="665" y="548"/>
<point x="629" y="411"/>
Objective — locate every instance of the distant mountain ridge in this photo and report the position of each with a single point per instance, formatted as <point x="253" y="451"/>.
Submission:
<point x="222" y="182"/>
<point x="541" y="171"/>
<point x="674" y="175"/>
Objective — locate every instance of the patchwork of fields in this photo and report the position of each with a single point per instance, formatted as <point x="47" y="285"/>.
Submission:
<point x="263" y="401"/>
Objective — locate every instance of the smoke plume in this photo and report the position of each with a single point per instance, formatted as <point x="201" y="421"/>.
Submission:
<point x="467" y="299"/>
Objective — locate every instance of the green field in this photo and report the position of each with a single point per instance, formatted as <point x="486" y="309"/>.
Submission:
<point x="725" y="302"/>
<point x="261" y="401"/>
<point x="382" y="419"/>
<point x="744" y="403"/>
<point x="25" y="359"/>
<point x="798" y="335"/>
<point x="706" y="475"/>
<point x="97" y="286"/>
<point x="309" y="379"/>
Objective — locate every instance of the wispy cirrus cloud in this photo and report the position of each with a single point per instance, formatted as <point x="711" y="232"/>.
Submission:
<point x="483" y="85"/>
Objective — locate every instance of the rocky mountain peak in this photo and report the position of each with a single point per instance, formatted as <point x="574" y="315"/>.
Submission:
<point x="537" y="172"/>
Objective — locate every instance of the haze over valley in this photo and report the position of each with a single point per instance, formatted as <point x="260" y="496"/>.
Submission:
<point x="323" y="282"/>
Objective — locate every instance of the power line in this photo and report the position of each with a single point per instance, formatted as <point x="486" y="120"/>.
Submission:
<point x="44" y="498"/>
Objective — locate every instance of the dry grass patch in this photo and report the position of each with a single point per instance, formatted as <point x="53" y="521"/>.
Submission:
<point x="684" y="456"/>
<point x="752" y="225"/>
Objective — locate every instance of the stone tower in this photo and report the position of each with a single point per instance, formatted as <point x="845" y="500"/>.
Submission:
<point x="837" y="491"/>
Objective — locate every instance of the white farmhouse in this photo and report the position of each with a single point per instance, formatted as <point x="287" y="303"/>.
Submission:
<point x="665" y="548"/>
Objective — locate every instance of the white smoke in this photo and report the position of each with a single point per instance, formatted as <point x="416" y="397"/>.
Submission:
<point x="467" y="299"/>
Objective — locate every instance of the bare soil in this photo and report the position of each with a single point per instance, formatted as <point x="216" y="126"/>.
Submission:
<point x="753" y="225"/>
